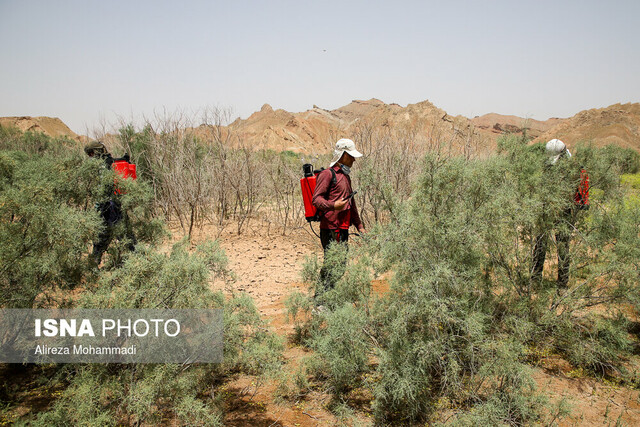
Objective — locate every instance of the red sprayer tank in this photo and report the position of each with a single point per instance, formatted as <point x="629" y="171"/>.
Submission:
<point x="582" y="194"/>
<point x="125" y="170"/>
<point x="308" y="185"/>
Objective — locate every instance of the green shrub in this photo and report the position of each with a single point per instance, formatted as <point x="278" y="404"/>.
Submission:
<point x="631" y="180"/>
<point x="12" y="139"/>
<point x="47" y="223"/>
<point x="45" y="227"/>
<point x="624" y="160"/>
<point x="153" y="393"/>
<point x="343" y="347"/>
<point x="464" y="305"/>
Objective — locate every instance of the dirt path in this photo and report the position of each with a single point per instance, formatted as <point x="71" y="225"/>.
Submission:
<point x="268" y="269"/>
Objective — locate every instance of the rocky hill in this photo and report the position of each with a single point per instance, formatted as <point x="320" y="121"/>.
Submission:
<point x="316" y="130"/>
<point x="498" y="124"/>
<point x="51" y="126"/>
<point x="617" y="124"/>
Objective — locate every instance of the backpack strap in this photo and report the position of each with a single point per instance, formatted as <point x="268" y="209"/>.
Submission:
<point x="334" y="181"/>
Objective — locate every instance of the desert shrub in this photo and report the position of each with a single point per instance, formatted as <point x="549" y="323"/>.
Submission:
<point x="150" y="393"/>
<point x="178" y="279"/>
<point x="12" y="139"/>
<point x="351" y="286"/>
<point x="343" y="347"/>
<point x="292" y="385"/>
<point x="299" y="306"/>
<point x="8" y="138"/>
<point x="45" y="226"/>
<point x="624" y="160"/>
<point x="107" y="395"/>
<point x="47" y="222"/>
<point x="464" y="304"/>
<point x="594" y="343"/>
<point x="631" y="180"/>
<point x="507" y="391"/>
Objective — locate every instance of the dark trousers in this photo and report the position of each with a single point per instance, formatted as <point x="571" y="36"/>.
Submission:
<point x="330" y="274"/>
<point x="107" y="234"/>
<point x="563" y="238"/>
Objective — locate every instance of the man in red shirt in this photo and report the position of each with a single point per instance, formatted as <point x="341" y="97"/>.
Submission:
<point x="333" y="197"/>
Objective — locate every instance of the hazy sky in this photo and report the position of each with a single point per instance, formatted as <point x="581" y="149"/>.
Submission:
<point x="88" y="60"/>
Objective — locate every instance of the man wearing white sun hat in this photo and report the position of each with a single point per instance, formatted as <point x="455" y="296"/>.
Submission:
<point x="556" y="149"/>
<point x="333" y="196"/>
<point x="557" y="154"/>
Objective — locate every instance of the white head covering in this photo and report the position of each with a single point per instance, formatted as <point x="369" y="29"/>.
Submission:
<point x="555" y="149"/>
<point x="344" y="145"/>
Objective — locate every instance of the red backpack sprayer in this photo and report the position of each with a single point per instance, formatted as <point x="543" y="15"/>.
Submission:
<point x="124" y="169"/>
<point x="308" y="186"/>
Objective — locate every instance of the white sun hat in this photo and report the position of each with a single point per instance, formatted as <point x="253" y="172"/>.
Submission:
<point x="344" y="145"/>
<point x="556" y="149"/>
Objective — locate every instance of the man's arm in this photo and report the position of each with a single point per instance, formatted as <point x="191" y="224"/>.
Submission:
<point x="323" y="180"/>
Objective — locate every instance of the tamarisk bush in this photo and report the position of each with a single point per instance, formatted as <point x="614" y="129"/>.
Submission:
<point x="464" y="309"/>
<point x="115" y="394"/>
<point x="47" y="223"/>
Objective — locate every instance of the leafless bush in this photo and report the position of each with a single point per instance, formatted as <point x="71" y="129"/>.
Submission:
<point x="203" y="172"/>
<point x="393" y="159"/>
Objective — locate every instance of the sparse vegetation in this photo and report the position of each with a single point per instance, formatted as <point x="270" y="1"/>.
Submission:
<point x="451" y="342"/>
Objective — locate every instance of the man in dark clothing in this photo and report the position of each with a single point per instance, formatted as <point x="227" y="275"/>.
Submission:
<point x="563" y="238"/>
<point x="333" y="196"/>
<point x="564" y="222"/>
<point x="110" y="209"/>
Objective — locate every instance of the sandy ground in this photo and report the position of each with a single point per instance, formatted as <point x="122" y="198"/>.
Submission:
<point x="268" y="268"/>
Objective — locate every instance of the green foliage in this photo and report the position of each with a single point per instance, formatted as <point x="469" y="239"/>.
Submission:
<point x="310" y="269"/>
<point x="299" y="306"/>
<point x="506" y="390"/>
<point x="12" y="139"/>
<point x="631" y="181"/>
<point x="83" y="402"/>
<point x="248" y="345"/>
<point x="594" y="343"/>
<point x="151" y="393"/>
<point x="624" y="160"/>
<point x="45" y="226"/>
<point x="464" y="304"/>
<point x="47" y="222"/>
<point x="343" y="347"/>
<point x="292" y="385"/>
<point x="149" y="279"/>
<point x="108" y="395"/>
<point x="9" y="137"/>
